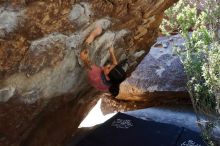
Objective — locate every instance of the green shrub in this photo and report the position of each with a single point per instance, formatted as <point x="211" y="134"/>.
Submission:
<point x="201" y="57"/>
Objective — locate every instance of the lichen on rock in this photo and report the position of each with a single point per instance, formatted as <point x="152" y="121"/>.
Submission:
<point x="80" y="14"/>
<point x="9" y="20"/>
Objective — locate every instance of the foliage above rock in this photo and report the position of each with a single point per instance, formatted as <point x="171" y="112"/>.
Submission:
<point x="199" y="24"/>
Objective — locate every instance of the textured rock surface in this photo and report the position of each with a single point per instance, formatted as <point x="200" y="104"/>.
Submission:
<point x="160" y="74"/>
<point x="40" y="58"/>
<point x="39" y="47"/>
<point x="9" y="19"/>
<point x="6" y="94"/>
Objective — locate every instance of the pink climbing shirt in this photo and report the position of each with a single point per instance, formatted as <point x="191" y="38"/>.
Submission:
<point x="94" y="76"/>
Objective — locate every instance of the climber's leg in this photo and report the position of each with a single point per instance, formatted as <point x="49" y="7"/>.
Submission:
<point x="96" y="32"/>
<point x="84" y="54"/>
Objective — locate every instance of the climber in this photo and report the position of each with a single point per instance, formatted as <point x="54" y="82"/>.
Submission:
<point x="108" y="77"/>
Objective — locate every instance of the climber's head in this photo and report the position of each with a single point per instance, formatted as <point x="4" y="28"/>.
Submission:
<point x="107" y="68"/>
<point x="115" y="74"/>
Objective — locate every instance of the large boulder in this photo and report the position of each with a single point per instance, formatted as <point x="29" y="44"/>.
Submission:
<point x="159" y="75"/>
<point x="41" y="58"/>
<point x="40" y="43"/>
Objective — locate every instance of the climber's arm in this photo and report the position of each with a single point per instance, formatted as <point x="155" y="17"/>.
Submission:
<point x="84" y="56"/>
<point x="113" y="58"/>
